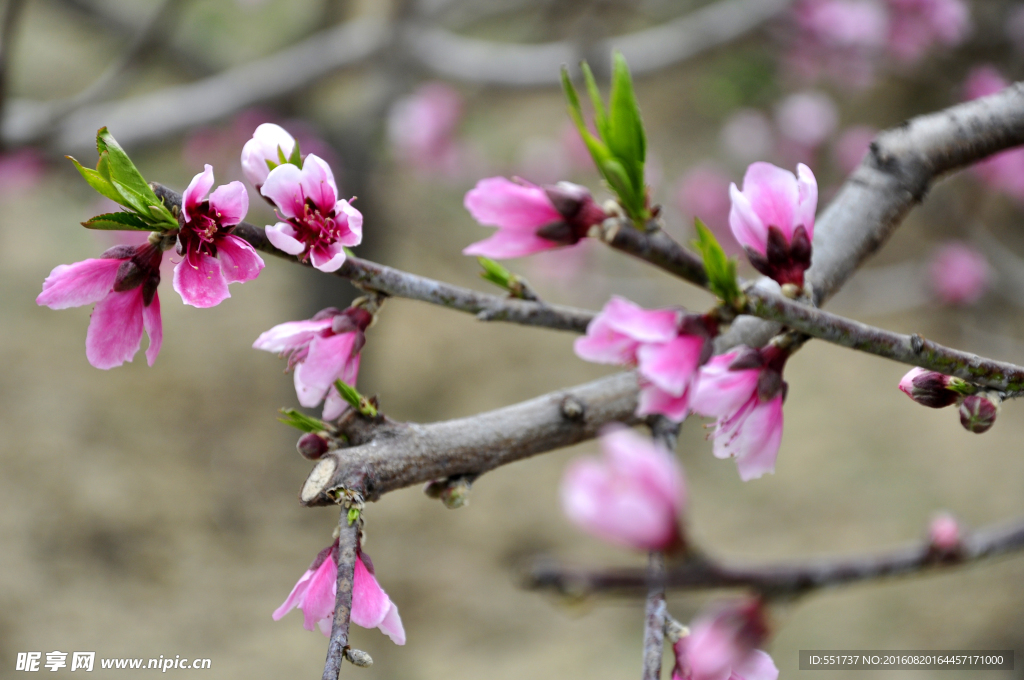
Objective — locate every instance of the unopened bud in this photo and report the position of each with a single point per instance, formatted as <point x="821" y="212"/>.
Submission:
<point x="312" y="445"/>
<point x="358" y="657"/>
<point x="978" y="412"/>
<point x="929" y="388"/>
<point x="944" y="533"/>
<point x="456" y="494"/>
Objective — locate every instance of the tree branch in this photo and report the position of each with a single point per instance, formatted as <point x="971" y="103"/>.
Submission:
<point x="789" y="578"/>
<point x="473" y="60"/>
<point x="654" y="617"/>
<point x="394" y="282"/>
<point x="850" y="230"/>
<point x="176" y="109"/>
<point x="397" y="455"/>
<point x="348" y="546"/>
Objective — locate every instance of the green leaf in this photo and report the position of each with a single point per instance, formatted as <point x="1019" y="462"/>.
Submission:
<point x="118" y="221"/>
<point x="494" y="272"/>
<point x="625" y="136"/>
<point x="353" y="515"/>
<point x="356" y="400"/>
<point x="97" y="181"/>
<point x="121" y="169"/>
<point x="301" y="421"/>
<point x="600" y="117"/>
<point x="720" y="269"/>
<point x="281" y="159"/>
<point x="575" y="110"/>
<point x="296" y="157"/>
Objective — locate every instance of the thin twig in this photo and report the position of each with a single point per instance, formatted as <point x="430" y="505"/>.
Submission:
<point x="486" y="62"/>
<point x="789" y="578"/>
<point x="381" y="278"/>
<point x="654" y="617"/>
<point x="348" y="547"/>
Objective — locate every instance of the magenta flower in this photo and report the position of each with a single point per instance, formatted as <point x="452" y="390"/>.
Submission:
<point x="915" y="26"/>
<point x="722" y="646"/>
<point x="316" y="225"/>
<point x="316" y="590"/>
<point x="744" y="390"/>
<point x="633" y="497"/>
<point x="529" y="218"/>
<point x="666" y="345"/>
<point x="269" y="142"/>
<point x="929" y="388"/>
<point x="773" y="219"/>
<point x="320" y="351"/>
<point x="123" y="283"/>
<point x="212" y="257"/>
<point x="958" y="274"/>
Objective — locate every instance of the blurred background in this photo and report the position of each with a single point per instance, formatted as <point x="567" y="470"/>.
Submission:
<point x="154" y="511"/>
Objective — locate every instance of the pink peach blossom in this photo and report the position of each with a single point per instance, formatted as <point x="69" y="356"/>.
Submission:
<point x="212" y="257"/>
<point x="320" y="351"/>
<point x="269" y="142"/>
<point x="529" y="218"/>
<point x="773" y="219"/>
<point x="840" y="39"/>
<point x="958" y="274"/>
<point x="123" y="283"/>
<point x="744" y="390"/>
<point x="316" y="590"/>
<point x="633" y="497"/>
<point x="665" y="345"/>
<point x="722" y="646"/>
<point x="315" y="225"/>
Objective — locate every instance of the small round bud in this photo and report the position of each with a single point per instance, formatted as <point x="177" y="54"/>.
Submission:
<point x="978" y="412"/>
<point x="312" y="445"/>
<point x="944" y="533"/>
<point x="456" y="494"/>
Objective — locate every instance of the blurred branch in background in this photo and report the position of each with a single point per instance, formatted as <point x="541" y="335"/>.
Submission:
<point x="792" y="578"/>
<point x="8" y="24"/>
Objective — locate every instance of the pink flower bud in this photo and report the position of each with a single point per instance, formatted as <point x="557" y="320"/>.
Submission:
<point x="632" y="497"/>
<point x="958" y="273"/>
<point x="944" y="533"/>
<point x="928" y="388"/>
<point x="268" y="143"/>
<point x="529" y="218"/>
<point x="978" y="412"/>
<point x="773" y="219"/>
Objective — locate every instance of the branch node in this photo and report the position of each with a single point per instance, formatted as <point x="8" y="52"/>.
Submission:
<point x="358" y="657"/>
<point x="917" y="343"/>
<point x="572" y="409"/>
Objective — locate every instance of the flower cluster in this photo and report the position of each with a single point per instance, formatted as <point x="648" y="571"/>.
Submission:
<point x="315" y="225"/>
<point x="316" y="590"/>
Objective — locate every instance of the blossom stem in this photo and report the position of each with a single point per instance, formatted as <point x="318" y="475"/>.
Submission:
<point x="348" y="545"/>
<point x="789" y="578"/>
<point x="654" y="617"/>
